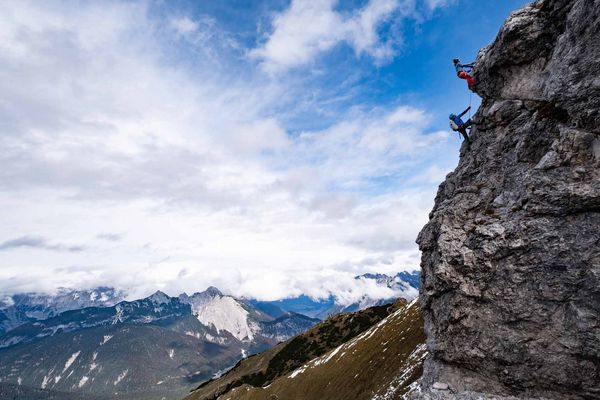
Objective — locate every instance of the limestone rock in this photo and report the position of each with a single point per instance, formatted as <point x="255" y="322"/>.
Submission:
<point x="510" y="288"/>
<point x="440" y="386"/>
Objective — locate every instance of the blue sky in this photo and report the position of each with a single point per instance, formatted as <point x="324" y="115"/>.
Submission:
<point x="267" y="148"/>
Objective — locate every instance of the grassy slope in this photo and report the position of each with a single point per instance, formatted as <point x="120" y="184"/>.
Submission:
<point x="379" y="364"/>
<point x="262" y="369"/>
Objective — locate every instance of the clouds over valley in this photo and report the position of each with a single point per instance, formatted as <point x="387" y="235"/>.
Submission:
<point x="147" y="148"/>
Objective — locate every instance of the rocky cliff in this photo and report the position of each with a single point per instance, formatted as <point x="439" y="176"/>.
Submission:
<point x="510" y="288"/>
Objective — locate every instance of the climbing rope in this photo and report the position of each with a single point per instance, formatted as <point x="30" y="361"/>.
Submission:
<point x="470" y="97"/>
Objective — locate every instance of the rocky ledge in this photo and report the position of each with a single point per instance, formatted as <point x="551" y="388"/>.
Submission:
<point x="510" y="288"/>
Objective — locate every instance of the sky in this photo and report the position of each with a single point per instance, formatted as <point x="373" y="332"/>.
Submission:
<point x="269" y="148"/>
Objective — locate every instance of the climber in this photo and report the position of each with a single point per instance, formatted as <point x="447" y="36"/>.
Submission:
<point x="461" y="72"/>
<point x="458" y="125"/>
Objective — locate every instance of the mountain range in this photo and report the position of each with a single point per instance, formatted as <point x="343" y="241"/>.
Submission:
<point x="402" y="285"/>
<point x="159" y="342"/>
<point x="93" y="343"/>
<point x="21" y="308"/>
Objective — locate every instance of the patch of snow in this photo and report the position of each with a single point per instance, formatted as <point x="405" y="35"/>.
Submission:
<point x="119" y="315"/>
<point x="120" y="377"/>
<point x="413" y="389"/>
<point x="326" y="358"/>
<point x="83" y="381"/>
<point x="51" y="330"/>
<point x="213" y="339"/>
<point x="36" y="314"/>
<point x="413" y="361"/>
<point x="71" y="360"/>
<point x="297" y="372"/>
<point x="105" y="339"/>
<point x="57" y="379"/>
<point x="94" y="356"/>
<point x="19" y="381"/>
<point x="171" y="353"/>
<point x="93" y="366"/>
<point x="219" y="373"/>
<point x="244" y="353"/>
<point x="45" y="382"/>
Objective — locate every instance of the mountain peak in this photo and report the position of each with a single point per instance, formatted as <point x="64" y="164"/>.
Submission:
<point x="159" y="297"/>
<point x="213" y="291"/>
<point x="370" y="276"/>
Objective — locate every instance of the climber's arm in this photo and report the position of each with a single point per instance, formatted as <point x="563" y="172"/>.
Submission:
<point x="464" y="112"/>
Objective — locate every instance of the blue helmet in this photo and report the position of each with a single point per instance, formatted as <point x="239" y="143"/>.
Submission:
<point x="451" y="116"/>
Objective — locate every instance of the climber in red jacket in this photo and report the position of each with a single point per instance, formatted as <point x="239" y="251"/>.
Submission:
<point x="461" y="72"/>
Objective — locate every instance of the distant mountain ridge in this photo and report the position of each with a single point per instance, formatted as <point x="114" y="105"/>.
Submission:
<point x="21" y="308"/>
<point x="148" y="349"/>
<point x="403" y="285"/>
<point x="93" y="343"/>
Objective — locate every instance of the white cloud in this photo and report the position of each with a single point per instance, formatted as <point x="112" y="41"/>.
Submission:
<point x="184" y="25"/>
<point x="433" y="4"/>
<point x="406" y="114"/>
<point x="193" y="169"/>
<point x="306" y="29"/>
<point x="433" y="174"/>
<point x="311" y="27"/>
<point x="362" y="29"/>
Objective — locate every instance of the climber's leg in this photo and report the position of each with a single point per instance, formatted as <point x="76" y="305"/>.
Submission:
<point x="467" y="77"/>
<point x="463" y="131"/>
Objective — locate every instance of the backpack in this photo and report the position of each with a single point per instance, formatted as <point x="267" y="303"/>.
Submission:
<point x="453" y="126"/>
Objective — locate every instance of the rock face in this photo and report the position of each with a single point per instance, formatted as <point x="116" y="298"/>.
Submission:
<point x="510" y="287"/>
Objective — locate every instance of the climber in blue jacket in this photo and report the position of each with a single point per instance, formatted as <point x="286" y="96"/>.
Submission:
<point x="458" y="125"/>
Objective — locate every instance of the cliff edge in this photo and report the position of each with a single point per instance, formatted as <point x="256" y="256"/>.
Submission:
<point x="510" y="287"/>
